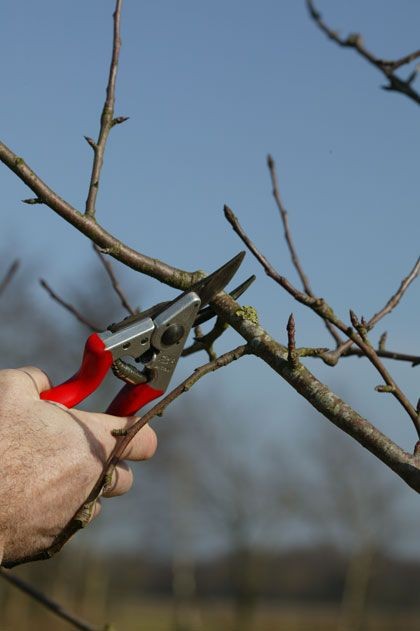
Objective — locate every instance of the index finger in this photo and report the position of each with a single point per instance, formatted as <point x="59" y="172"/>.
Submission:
<point x="141" y="447"/>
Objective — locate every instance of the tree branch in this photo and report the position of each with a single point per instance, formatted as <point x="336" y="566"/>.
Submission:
<point x="319" y="396"/>
<point x="355" y="40"/>
<point x="114" y="282"/>
<point x="288" y="236"/>
<point x="283" y="360"/>
<point x="70" y="308"/>
<point x="205" y="342"/>
<point x="403" y="357"/>
<point x="323" y="310"/>
<point x="332" y="357"/>
<point x="153" y="267"/>
<point x="107" y="121"/>
<point x="47" y="602"/>
<point x="8" y="277"/>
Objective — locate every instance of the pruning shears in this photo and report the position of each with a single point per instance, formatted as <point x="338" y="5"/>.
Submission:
<point x="155" y="338"/>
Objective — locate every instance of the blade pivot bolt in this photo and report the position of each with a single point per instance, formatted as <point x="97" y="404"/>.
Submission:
<point x="173" y="334"/>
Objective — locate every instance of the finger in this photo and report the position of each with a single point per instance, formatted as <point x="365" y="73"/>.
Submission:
<point x="38" y="377"/>
<point x="121" y="481"/>
<point x="97" y="509"/>
<point x="58" y="405"/>
<point x="143" y="445"/>
<point x="102" y="427"/>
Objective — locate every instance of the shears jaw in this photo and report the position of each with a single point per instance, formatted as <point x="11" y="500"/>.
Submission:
<point x="211" y="285"/>
<point x="172" y="328"/>
<point x="157" y="337"/>
<point x="157" y="344"/>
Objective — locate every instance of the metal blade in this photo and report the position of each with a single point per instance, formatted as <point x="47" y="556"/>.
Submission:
<point x="209" y="286"/>
<point x="205" y="289"/>
<point x="208" y="313"/>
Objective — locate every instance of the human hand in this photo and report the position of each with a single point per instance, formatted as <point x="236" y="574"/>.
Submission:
<point x="50" y="459"/>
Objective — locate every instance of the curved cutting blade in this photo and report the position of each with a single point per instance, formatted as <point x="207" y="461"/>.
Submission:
<point x="208" y="312"/>
<point x="205" y="289"/>
<point x="209" y="286"/>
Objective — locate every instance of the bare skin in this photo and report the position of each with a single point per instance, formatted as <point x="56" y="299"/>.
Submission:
<point x="50" y="458"/>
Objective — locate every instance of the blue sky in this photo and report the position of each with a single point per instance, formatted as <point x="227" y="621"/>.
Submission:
<point x="211" y="88"/>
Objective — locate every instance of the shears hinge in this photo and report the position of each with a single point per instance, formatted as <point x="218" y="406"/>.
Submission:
<point x="172" y="327"/>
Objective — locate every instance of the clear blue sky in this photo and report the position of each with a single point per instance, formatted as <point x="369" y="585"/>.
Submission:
<point x="211" y="88"/>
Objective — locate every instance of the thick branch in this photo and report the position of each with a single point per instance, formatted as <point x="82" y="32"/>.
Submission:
<point x="285" y="220"/>
<point x="318" y="394"/>
<point x="88" y="226"/>
<point x="106" y="117"/>
<point x="354" y="40"/>
<point x="47" y="602"/>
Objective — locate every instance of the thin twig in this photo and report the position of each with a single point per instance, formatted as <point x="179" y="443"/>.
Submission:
<point x="320" y="353"/>
<point x="82" y="516"/>
<point x="292" y="355"/>
<point x="332" y="357"/>
<point x="285" y="219"/>
<point x="402" y="61"/>
<point x="288" y="236"/>
<point x="107" y="121"/>
<point x="47" y="602"/>
<point x="70" y="308"/>
<point x="387" y="67"/>
<point x="395" y="299"/>
<point x="115" y="284"/>
<point x="8" y="277"/>
<point x="205" y="342"/>
<point x="324" y="311"/>
<point x="414" y="360"/>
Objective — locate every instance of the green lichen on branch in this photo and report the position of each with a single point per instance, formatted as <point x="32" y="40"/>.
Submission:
<point x="248" y="312"/>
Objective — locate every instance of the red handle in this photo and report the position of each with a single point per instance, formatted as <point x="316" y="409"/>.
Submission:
<point x="95" y="364"/>
<point x="131" y="398"/>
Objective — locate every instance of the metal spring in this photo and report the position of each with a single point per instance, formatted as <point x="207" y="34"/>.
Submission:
<point x="128" y="373"/>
